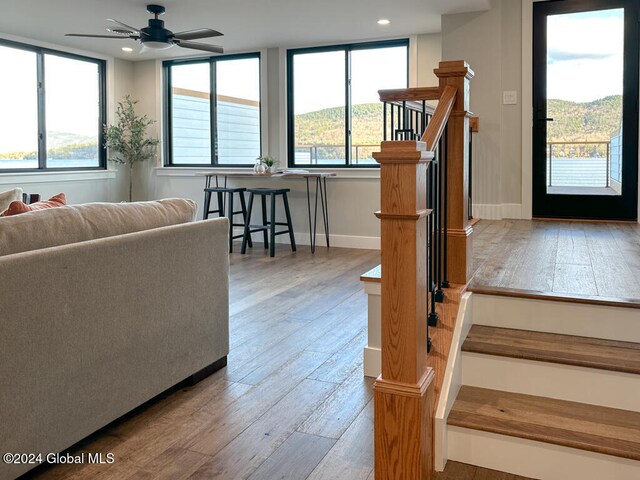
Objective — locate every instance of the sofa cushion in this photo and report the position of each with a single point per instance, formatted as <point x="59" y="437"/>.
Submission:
<point x="78" y="223"/>
<point x="17" y="207"/>
<point x="9" y="196"/>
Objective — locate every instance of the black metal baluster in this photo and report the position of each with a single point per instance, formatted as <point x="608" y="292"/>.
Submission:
<point x="470" y="205"/>
<point x="391" y="116"/>
<point x="445" y="205"/>
<point x="384" y="121"/>
<point x="435" y="213"/>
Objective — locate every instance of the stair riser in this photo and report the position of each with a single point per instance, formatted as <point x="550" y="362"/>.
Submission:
<point x="535" y="459"/>
<point x="597" y="321"/>
<point x="564" y="382"/>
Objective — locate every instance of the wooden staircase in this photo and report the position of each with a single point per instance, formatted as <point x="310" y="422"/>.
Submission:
<point x="548" y="404"/>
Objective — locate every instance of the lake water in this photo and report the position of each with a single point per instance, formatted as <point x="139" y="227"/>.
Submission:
<point x="33" y="164"/>
<point x="577" y="172"/>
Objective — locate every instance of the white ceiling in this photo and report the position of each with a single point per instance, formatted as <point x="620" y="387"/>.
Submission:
<point x="247" y="24"/>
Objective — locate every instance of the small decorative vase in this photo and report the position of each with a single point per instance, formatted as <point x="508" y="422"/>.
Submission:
<point x="260" y="168"/>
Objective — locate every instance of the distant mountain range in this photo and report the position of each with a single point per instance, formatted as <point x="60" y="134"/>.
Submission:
<point x="588" y="121"/>
<point x="584" y="122"/>
<point x="61" y="145"/>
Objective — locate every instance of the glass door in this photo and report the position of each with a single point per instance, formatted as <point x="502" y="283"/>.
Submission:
<point x="585" y="109"/>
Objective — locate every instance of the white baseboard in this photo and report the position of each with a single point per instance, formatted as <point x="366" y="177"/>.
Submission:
<point x="340" y="241"/>
<point x="497" y="211"/>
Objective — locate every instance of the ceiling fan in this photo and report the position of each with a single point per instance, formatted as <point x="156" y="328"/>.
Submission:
<point x="156" y="36"/>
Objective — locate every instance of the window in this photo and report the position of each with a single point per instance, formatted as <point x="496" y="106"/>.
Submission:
<point x="52" y="109"/>
<point x="335" y="116"/>
<point x="213" y="115"/>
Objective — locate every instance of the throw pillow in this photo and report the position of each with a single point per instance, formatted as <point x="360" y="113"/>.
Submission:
<point x="9" y="196"/>
<point x="17" y="207"/>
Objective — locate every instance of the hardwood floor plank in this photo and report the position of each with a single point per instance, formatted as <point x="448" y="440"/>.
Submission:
<point x="210" y="429"/>
<point x="338" y="368"/>
<point x="295" y="459"/>
<point x="326" y="335"/>
<point x="533" y="256"/>
<point x="242" y="456"/>
<point x="570" y="278"/>
<point x="172" y="464"/>
<point x="352" y="455"/>
<point x="334" y="416"/>
<point x="572" y="245"/>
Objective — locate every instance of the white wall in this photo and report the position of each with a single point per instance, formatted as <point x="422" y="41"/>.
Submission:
<point x="353" y="195"/>
<point x="491" y="43"/>
<point x="87" y="186"/>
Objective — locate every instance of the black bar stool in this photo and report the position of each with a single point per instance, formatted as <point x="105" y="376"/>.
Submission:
<point x="229" y="192"/>
<point x="268" y="228"/>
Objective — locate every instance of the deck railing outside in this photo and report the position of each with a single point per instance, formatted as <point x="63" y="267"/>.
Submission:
<point x="579" y="164"/>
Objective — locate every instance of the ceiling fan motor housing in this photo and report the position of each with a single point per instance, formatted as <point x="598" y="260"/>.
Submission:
<point x="156" y="32"/>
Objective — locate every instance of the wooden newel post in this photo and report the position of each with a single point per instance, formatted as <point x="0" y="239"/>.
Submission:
<point x="404" y="391"/>
<point x="458" y="74"/>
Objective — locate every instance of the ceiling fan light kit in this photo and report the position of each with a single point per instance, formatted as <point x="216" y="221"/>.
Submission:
<point x="156" y="36"/>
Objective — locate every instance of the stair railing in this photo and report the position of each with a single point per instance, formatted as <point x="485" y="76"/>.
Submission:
<point x="425" y="248"/>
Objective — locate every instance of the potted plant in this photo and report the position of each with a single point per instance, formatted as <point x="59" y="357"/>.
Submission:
<point x="269" y="162"/>
<point x="127" y="139"/>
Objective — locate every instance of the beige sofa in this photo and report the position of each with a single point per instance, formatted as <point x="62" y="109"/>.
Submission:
<point x="103" y="307"/>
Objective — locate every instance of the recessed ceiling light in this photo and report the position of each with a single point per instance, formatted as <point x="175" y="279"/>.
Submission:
<point x="127" y="49"/>
<point x="383" y="21"/>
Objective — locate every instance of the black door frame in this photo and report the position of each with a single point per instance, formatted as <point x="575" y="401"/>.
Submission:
<point x="622" y="207"/>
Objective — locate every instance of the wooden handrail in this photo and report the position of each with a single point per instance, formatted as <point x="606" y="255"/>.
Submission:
<point x="440" y="118"/>
<point x="409" y="94"/>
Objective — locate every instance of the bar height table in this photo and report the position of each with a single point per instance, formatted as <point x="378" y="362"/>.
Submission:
<point x="320" y="186"/>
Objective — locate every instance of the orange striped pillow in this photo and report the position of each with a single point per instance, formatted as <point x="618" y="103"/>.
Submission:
<point x="17" y="207"/>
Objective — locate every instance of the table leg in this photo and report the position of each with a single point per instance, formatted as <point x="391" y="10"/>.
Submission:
<point x="324" y="199"/>
<point x="312" y="233"/>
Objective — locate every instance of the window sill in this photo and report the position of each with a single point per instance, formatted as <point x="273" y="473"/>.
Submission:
<point x="341" y="173"/>
<point x="20" y="178"/>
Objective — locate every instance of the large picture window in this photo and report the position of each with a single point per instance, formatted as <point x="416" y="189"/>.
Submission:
<point x="52" y="109"/>
<point x="334" y="112"/>
<point x="213" y="115"/>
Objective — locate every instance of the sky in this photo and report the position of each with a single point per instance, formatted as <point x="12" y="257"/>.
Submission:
<point x="319" y="78"/>
<point x="585" y="55"/>
<point x="235" y="78"/>
<point x="72" y="98"/>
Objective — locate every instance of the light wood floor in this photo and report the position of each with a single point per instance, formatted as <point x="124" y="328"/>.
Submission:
<point x="574" y="258"/>
<point x="293" y="402"/>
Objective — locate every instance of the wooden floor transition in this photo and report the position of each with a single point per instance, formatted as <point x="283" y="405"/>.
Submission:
<point x="568" y="258"/>
<point x="293" y="402"/>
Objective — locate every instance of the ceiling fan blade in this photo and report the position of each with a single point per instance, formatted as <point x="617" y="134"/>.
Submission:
<point x="117" y="37"/>
<point x="129" y="27"/>
<point x="197" y="33"/>
<point x="200" y="46"/>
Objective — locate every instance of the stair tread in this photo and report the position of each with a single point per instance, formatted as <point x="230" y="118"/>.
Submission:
<point x="577" y="425"/>
<point x="555" y="296"/>
<point x="552" y="347"/>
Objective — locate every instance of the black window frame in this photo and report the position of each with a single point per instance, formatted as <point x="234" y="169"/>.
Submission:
<point x="40" y="91"/>
<point x="213" y="108"/>
<point x="347" y="48"/>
